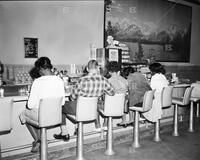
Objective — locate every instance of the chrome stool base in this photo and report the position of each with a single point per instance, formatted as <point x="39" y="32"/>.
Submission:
<point x="157" y="130"/>
<point x="109" y="143"/>
<point x="175" y="132"/>
<point x="135" y="145"/>
<point x="191" y="128"/>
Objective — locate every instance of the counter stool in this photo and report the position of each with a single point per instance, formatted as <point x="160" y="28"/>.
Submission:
<point x="113" y="107"/>
<point x="49" y="114"/>
<point x="195" y="98"/>
<point x="182" y="101"/>
<point x="86" y="111"/>
<point x="6" y="117"/>
<point x="166" y="101"/>
<point x="146" y="106"/>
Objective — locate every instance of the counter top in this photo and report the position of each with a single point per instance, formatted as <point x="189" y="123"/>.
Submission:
<point x="25" y="97"/>
<point x="181" y="85"/>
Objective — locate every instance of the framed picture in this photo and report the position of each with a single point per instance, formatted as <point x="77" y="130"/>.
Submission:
<point x="113" y="55"/>
<point x="31" y="47"/>
<point x="151" y="29"/>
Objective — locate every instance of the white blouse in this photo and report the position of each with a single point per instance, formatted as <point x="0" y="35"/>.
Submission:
<point x="158" y="82"/>
<point x="46" y="86"/>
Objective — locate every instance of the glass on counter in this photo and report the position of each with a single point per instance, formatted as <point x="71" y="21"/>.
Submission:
<point x="1" y="92"/>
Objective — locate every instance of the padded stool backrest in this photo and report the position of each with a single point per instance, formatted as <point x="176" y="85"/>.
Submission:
<point x="187" y="95"/>
<point x="50" y="111"/>
<point x="114" y="105"/>
<point x="86" y="108"/>
<point x="6" y="110"/>
<point x="196" y="90"/>
<point x="166" y="96"/>
<point x="148" y="100"/>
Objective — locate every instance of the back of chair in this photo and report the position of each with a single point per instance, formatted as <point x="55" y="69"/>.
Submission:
<point x="114" y="105"/>
<point x="187" y="95"/>
<point x="166" y="96"/>
<point x="6" y="110"/>
<point x="148" y="100"/>
<point x="196" y="90"/>
<point x="86" y="108"/>
<point x="50" y="111"/>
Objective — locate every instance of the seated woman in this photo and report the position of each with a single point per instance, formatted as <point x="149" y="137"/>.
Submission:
<point x="119" y="83"/>
<point x="41" y="87"/>
<point x="157" y="82"/>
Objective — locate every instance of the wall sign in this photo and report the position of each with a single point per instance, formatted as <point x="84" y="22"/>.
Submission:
<point x="31" y="47"/>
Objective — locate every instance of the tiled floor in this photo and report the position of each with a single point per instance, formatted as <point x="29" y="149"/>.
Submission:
<point x="184" y="147"/>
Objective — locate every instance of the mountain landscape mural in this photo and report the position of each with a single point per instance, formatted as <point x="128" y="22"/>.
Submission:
<point x="161" y="28"/>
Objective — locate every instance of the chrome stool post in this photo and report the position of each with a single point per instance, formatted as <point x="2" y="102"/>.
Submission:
<point x="191" y="129"/>
<point x="43" y="144"/>
<point x="79" y="148"/>
<point x="109" y="143"/>
<point x="175" y="131"/>
<point x="157" y="130"/>
<point x="136" y="143"/>
<point x="197" y="111"/>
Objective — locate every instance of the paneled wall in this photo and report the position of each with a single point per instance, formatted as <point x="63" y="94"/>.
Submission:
<point x="191" y="72"/>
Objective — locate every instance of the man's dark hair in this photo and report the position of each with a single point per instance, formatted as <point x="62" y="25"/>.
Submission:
<point x="113" y="66"/>
<point x="126" y="71"/>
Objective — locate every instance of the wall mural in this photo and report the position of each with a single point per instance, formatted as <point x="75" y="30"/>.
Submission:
<point x="151" y="29"/>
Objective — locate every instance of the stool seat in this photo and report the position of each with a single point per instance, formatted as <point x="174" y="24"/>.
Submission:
<point x="49" y="114"/>
<point x="195" y="99"/>
<point x="139" y="109"/>
<point x="86" y="110"/>
<point x="113" y="107"/>
<point x="178" y="100"/>
<point x="6" y="111"/>
<point x="166" y="101"/>
<point x="6" y="116"/>
<point x="182" y="101"/>
<point x="146" y="106"/>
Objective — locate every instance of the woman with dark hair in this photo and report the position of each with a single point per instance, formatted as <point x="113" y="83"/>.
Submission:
<point x="158" y="82"/>
<point x="34" y="73"/>
<point x="47" y="85"/>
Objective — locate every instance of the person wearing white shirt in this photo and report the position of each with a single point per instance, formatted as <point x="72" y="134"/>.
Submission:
<point x="48" y="85"/>
<point x="158" y="82"/>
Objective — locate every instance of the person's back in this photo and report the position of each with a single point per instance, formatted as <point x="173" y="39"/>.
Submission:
<point x="93" y="84"/>
<point x="119" y="83"/>
<point x="157" y="83"/>
<point x="45" y="86"/>
<point x="137" y="85"/>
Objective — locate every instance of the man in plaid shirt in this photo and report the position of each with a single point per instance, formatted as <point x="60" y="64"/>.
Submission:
<point x="91" y="85"/>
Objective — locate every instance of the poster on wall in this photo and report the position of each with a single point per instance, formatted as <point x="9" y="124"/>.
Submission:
<point x="151" y="29"/>
<point x="31" y="47"/>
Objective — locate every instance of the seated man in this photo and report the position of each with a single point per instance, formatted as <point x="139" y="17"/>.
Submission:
<point x="91" y="85"/>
